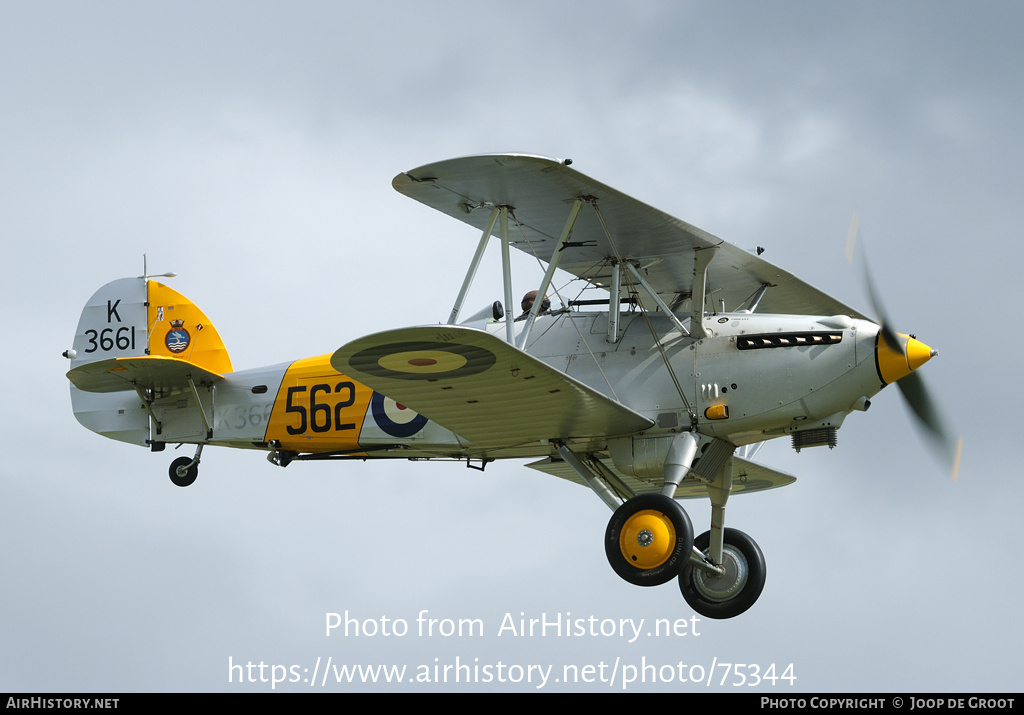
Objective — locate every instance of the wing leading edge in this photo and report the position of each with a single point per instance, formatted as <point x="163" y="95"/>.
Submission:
<point x="539" y="192"/>
<point x="488" y="392"/>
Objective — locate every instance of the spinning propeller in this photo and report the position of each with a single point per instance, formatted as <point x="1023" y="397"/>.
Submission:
<point x="899" y="356"/>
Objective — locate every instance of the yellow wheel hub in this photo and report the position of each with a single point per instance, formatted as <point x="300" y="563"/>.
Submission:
<point x="647" y="539"/>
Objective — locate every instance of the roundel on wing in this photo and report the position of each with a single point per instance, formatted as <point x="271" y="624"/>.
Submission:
<point x="422" y="360"/>
<point x="395" y="419"/>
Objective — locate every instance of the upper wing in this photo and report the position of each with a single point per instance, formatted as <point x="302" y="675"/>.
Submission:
<point x="540" y="192"/>
<point x="486" y="391"/>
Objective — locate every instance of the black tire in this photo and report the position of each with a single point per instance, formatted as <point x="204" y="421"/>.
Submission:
<point x="666" y="528"/>
<point x="190" y="475"/>
<point x="712" y="596"/>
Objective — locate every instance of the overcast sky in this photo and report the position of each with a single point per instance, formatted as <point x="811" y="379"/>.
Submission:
<point x="250" y="147"/>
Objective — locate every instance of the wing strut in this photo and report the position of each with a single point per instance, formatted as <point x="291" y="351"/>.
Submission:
<point x="601" y="480"/>
<point x="202" y="412"/>
<point x="506" y="277"/>
<point x="471" y="273"/>
<point x="597" y="485"/>
<point x="613" y="304"/>
<point x="552" y="265"/>
<point x="613" y="336"/>
<point x="657" y="299"/>
<point x="753" y="301"/>
<point x="147" y="402"/>
<point x="657" y="340"/>
<point x="701" y="260"/>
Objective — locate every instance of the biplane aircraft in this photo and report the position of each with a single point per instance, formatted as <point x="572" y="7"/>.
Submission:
<point x="658" y="392"/>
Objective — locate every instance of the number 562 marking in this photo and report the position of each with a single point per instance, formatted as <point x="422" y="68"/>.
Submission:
<point x="316" y="413"/>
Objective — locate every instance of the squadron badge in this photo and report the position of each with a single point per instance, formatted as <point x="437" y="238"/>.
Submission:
<point x="177" y="339"/>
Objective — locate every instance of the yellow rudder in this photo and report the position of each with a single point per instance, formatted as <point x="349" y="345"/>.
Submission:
<point x="178" y="328"/>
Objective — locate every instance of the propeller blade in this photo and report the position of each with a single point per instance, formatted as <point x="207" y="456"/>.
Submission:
<point x="911" y="385"/>
<point x="888" y="334"/>
<point x="851" y="237"/>
<point x="916" y="394"/>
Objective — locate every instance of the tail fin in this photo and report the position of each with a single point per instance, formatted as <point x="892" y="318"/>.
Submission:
<point x="132" y="317"/>
<point x="178" y="328"/>
<point x="135" y="317"/>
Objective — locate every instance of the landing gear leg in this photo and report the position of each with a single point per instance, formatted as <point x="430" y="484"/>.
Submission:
<point x="726" y="573"/>
<point x="649" y="537"/>
<point x="184" y="471"/>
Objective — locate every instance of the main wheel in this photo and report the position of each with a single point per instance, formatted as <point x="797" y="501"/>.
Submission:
<point x="733" y="592"/>
<point x="648" y="540"/>
<point x="181" y="474"/>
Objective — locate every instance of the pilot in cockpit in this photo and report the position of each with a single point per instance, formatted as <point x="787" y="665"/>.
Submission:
<point x="527" y="304"/>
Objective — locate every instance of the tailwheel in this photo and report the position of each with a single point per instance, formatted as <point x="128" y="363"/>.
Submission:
<point x="731" y="593"/>
<point x="183" y="471"/>
<point x="648" y="540"/>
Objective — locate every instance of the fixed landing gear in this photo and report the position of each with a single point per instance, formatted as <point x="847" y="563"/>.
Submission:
<point x="727" y="594"/>
<point x="648" y="540"/>
<point x="183" y="470"/>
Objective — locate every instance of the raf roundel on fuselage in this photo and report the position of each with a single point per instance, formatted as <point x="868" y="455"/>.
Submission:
<point x="395" y="419"/>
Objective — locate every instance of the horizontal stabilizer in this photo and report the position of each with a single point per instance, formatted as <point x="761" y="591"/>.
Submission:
<point x="486" y="391"/>
<point x="746" y="477"/>
<point x="162" y="376"/>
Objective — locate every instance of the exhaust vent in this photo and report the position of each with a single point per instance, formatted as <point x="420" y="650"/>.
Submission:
<point x="787" y="340"/>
